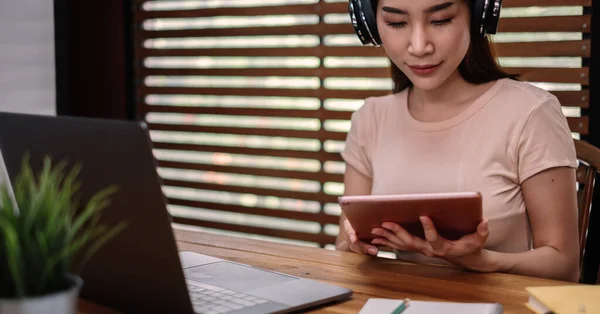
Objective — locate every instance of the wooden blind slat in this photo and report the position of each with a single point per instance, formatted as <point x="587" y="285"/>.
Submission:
<point x="260" y="211"/>
<point x="577" y="23"/>
<point x="352" y="93"/>
<point x="248" y="52"/>
<point x="308" y="196"/>
<point x="553" y="75"/>
<point x="323" y="156"/>
<point x="580" y="124"/>
<point x="566" y="48"/>
<point x="317" y="237"/>
<point x="321" y="134"/>
<point x="144" y="90"/>
<point x="289" y="174"/>
<point x="232" y="130"/>
<point x="229" y="11"/>
<point x="238" y="72"/>
<point x="238" y="150"/>
<point x="578" y="98"/>
<point x="334" y="157"/>
<point x="236" y="111"/>
<point x="567" y="98"/>
<point x="314" y="29"/>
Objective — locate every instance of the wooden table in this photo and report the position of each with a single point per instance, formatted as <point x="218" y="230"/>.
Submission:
<point x="367" y="276"/>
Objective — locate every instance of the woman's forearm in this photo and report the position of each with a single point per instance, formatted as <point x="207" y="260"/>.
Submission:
<point x="546" y="262"/>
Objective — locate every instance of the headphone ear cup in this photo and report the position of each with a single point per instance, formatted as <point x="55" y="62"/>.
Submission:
<point x="357" y="22"/>
<point x="485" y="16"/>
<point x="493" y="17"/>
<point x="371" y="21"/>
<point x="477" y="20"/>
<point x="364" y="22"/>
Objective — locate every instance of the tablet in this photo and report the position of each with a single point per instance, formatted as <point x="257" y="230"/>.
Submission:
<point x="454" y="214"/>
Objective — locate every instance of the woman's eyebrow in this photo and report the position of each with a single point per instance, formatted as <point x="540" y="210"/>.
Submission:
<point x="432" y="9"/>
<point x="439" y="7"/>
<point x="394" y="10"/>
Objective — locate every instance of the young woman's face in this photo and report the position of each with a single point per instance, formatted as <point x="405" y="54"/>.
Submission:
<point x="426" y="39"/>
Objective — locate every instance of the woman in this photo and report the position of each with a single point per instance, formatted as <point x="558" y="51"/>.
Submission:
<point x="457" y="122"/>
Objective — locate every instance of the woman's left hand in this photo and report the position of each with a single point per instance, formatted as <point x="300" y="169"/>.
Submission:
<point x="467" y="251"/>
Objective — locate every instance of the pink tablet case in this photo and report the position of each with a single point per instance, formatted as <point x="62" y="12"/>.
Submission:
<point x="453" y="214"/>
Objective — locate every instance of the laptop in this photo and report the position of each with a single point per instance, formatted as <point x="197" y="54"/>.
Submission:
<point x="141" y="269"/>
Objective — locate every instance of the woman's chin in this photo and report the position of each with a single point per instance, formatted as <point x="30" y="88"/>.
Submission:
<point x="426" y="83"/>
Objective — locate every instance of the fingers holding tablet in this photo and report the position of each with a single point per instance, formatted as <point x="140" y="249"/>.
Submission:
<point x="466" y="250"/>
<point x="455" y="214"/>
<point x="354" y="244"/>
<point x="393" y="235"/>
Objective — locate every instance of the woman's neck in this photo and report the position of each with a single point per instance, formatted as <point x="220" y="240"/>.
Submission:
<point x="445" y="101"/>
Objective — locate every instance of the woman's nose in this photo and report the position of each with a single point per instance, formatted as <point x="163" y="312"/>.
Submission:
<point x="419" y="45"/>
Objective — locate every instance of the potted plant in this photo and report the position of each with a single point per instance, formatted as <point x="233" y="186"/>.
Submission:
<point x="42" y="229"/>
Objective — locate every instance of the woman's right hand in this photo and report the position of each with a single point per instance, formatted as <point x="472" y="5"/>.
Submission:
<point x="355" y="183"/>
<point x="352" y="243"/>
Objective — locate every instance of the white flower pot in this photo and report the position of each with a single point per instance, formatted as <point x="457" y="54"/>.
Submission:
<point x="63" y="302"/>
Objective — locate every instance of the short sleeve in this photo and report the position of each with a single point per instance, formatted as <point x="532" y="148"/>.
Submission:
<point x="358" y="148"/>
<point x="546" y="141"/>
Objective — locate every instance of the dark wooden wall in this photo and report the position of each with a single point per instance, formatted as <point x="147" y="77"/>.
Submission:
<point x="94" y="58"/>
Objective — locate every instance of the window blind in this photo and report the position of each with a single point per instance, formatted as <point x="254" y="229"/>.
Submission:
<point x="248" y="101"/>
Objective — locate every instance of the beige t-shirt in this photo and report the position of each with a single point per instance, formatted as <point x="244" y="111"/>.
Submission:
<point x="510" y="133"/>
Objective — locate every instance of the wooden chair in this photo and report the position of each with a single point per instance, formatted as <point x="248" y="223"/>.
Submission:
<point x="589" y="166"/>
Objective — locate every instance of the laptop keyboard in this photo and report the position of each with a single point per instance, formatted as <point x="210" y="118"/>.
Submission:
<point x="209" y="299"/>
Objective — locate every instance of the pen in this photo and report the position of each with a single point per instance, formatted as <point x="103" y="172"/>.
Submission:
<point x="401" y="307"/>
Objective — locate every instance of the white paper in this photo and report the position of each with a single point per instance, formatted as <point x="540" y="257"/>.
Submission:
<point x="380" y="306"/>
<point x="383" y="306"/>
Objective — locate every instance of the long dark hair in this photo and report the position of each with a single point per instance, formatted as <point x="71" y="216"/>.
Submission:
<point x="477" y="67"/>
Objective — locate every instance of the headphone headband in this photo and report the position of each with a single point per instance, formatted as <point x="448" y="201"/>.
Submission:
<point x="485" y="17"/>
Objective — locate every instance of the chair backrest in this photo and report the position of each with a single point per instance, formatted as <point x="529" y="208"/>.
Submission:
<point x="589" y="165"/>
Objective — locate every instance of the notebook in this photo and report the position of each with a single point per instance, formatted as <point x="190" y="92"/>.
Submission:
<point x="388" y="306"/>
<point x="564" y="299"/>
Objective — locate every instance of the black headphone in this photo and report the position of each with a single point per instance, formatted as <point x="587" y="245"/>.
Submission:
<point x="485" y="16"/>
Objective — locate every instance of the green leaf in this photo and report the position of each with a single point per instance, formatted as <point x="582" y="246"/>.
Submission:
<point x="64" y="253"/>
<point x="100" y="242"/>
<point x="13" y="256"/>
<point x="44" y="252"/>
<point x="8" y="211"/>
<point x="95" y="204"/>
<point x="43" y="230"/>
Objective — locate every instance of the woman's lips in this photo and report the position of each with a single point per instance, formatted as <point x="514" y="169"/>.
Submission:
<point x="425" y="69"/>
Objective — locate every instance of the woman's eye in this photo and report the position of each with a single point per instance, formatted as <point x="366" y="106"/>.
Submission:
<point x="396" y="24"/>
<point x="441" y="22"/>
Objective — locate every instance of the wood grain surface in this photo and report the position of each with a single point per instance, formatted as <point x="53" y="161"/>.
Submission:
<point x="366" y="276"/>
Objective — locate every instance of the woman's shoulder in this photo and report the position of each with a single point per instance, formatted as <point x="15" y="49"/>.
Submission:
<point x="523" y="95"/>
<point x="378" y="107"/>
